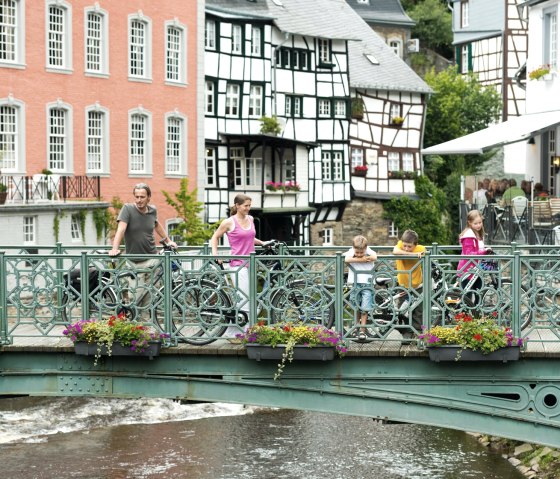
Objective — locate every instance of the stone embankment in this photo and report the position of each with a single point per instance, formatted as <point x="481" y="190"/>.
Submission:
<point x="532" y="460"/>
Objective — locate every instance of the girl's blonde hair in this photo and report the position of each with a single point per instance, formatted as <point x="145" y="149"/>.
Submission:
<point x="473" y="214"/>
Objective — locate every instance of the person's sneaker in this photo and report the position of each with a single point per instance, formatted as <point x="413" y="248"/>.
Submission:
<point x="362" y="337"/>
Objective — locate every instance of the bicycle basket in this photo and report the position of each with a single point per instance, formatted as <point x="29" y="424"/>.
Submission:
<point x="489" y="265"/>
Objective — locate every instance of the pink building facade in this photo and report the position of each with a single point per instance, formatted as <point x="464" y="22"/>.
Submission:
<point x="105" y="88"/>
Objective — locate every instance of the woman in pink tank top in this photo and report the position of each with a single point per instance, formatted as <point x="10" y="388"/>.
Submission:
<point x="241" y="234"/>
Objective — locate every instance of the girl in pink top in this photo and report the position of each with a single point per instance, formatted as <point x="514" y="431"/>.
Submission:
<point x="472" y="243"/>
<point x="241" y="234"/>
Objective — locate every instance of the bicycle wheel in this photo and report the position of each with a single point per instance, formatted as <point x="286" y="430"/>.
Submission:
<point x="103" y="300"/>
<point x="198" y="312"/>
<point x="385" y="316"/>
<point x="299" y="301"/>
<point x="499" y="300"/>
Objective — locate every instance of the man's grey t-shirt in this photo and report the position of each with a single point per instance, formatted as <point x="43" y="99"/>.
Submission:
<point x="139" y="234"/>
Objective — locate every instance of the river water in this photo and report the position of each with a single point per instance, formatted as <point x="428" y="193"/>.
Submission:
<point x="59" y="438"/>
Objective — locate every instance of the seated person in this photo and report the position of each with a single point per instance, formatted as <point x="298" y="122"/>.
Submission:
<point x="512" y="192"/>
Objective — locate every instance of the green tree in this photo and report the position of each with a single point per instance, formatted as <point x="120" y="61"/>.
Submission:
<point x="433" y="25"/>
<point x="192" y="230"/>
<point x="426" y="215"/>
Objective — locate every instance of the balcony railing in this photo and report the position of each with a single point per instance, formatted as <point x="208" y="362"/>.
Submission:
<point x="37" y="188"/>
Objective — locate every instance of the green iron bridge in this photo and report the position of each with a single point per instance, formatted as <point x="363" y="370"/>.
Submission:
<point x="390" y="377"/>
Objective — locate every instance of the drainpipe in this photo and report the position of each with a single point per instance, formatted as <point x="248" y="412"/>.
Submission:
<point x="286" y="38"/>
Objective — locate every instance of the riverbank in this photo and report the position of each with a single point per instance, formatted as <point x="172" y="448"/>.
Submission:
<point x="532" y="460"/>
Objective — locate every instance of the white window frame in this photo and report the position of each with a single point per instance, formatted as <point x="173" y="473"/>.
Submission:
<point x="14" y="136"/>
<point x="177" y="55"/>
<point x="408" y="161"/>
<point x="75" y="230"/>
<point x="393" y="230"/>
<point x="233" y="99"/>
<point x="339" y="108"/>
<point x="135" y="141"/>
<point x="256" y="101"/>
<point x="394" y="111"/>
<point x="100" y="141"/>
<point x="550" y="38"/>
<point x="465" y="58"/>
<point x="210" y="95"/>
<point x="171" y="224"/>
<point x="324" y="107"/>
<point x="211" y="166"/>
<point x="328" y="237"/>
<point x="246" y="171"/>
<point x="397" y="46"/>
<point x="143" y="66"/>
<point x="464" y="13"/>
<point x="332" y="162"/>
<point x="210" y="34"/>
<point x="98" y="44"/>
<point x="356" y="157"/>
<point x="324" y="51"/>
<point x="236" y="39"/>
<point x="14" y="57"/>
<point x="67" y="137"/>
<point x="175" y="164"/>
<point x="288" y="100"/>
<point x="393" y="161"/>
<point x="63" y="38"/>
<point x="29" y="230"/>
<point x="256" y="41"/>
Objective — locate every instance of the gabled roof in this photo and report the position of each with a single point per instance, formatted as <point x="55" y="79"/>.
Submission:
<point x="388" y="12"/>
<point x="372" y="64"/>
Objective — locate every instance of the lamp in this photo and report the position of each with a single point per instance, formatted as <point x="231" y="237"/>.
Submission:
<point x="531" y="141"/>
<point x="556" y="163"/>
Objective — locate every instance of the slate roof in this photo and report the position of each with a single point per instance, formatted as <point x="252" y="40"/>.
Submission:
<point x="334" y="19"/>
<point x="382" y="12"/>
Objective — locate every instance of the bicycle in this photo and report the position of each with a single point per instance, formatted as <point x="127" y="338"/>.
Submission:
<point x="109" y="290"/>
<point x="205" y="303"/>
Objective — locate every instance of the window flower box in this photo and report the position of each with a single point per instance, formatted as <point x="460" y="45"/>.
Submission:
<point x="360" y="171"/>
<point x="451" y="353"/>
<point x="541" y="73"/>
<point x="302" y="353"/>
<point x="83" y="348"/>
<point x="279" y="187"/>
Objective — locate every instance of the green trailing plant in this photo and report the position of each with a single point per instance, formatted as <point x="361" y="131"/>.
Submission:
<point x="81" y="216"/>
<point x="192" y="230"/>
<point x="357" y="107"/>
<point x="56" y="223"/>
<point x="539" y="72"/>
<point x="102" y="219"/>
<point x="3" y="188"/>
<point x="270" y="125"/>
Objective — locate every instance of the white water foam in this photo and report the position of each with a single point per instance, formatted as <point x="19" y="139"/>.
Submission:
<point x="64" y="415"/>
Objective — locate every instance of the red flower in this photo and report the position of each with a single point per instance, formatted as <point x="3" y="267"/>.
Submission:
<point x="477" y="337"/>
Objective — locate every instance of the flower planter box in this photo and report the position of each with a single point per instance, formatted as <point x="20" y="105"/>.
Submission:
<point x="302" y="353"/>
<point x="90" y="349"/>
<point x="449" y="353"/>
<point x="359" y="172"/>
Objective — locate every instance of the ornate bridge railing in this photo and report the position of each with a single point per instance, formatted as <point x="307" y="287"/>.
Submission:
<point x="41" y="187"/>
<point x="191" y="298"/>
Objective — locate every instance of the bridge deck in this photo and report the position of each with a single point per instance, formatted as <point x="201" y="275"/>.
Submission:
<point x="393" y="347"/>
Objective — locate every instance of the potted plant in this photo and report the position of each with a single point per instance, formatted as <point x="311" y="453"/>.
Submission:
<point x="540" y="72"/>
<point x="357" y="108"/>
<point x="397" y="120"/>
<point x="472" y="339"/>
<point x="289" y="341"/>
<point x="115" y="336"/>
<point x="270" y="125"/>
<point x="3" y="193"/>
<point x="360" y="170"/>
<point x="282" y="187"/>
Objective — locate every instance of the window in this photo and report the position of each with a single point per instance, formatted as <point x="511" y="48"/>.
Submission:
<point x="393" y="161"/>
<point x="464" y="13"/>
<point x="550" y="39"/>
<point x="12" y="32"/>
<point x="232" y="99"/>
<point x="256" y="100"/>
<point x="175" y="145"/>
<point x="139" y="48"/>
<point x="324" y="107"/>
<point x="332" y="163"/>
<point x="59" y="138"/>
<point x="289" y="169"/>
<point x="324" y="51"/>
<point x="97" y="140"/>
<point x="356" y="157"/>
<point x="96" y="43"/>
<point x="393" y="230"/>
<point x="236" y="39"/>
<point x="340" y="108"/>
<point x="140" y="155"/>
<point x="210" y="93"/>
<point x="75" y="228"/>
<point x="256" y="41"/>
<point x="465" y="58"/>
<point x="210" y="35"/>
<point x="59" y="35"/>
<point x="328" y="237"/>
<point x="211" y="173"/>
<point x="293" y="106"/>
<point x="394" y="111"/>
<point x="408" y="162"/>
<point x="173" y="231"/>
<point x="246" y="171"/>
<point x="29" y="229"/>
<point x="12" y="148"/>
<point x="175" y="58"/>
<point x="396" y="46"/>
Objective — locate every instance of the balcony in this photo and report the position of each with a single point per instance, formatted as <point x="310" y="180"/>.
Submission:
<point x="47" y="188"/>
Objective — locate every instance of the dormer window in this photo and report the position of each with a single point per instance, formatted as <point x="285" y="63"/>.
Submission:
<point x="464" y="13"/>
